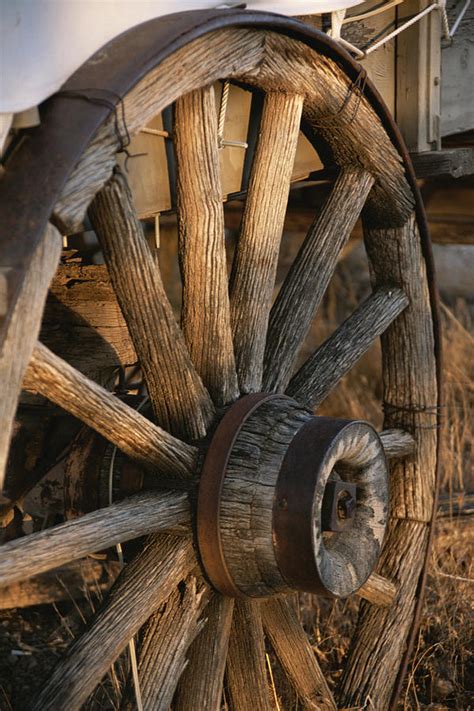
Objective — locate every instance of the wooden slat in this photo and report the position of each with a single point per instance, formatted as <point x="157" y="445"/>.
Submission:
<point x="95" y="531"/>
<point x="205" y="314"/>
<point x="253" y="271"/>
<point x="201" y="684"/>
<point x="180" y="401"/>
<point x="140" y="589"/>
<point x="79" y="579"/>
<point x="98" y="408"/>
<point x="295" y="654"/>
<point x="164" y="643"/>
<point x="90" y="337"/>
<point x="341" y="351"/>
<point x="246" y="676"/>
<point x="22" y="330"/>
<point x="309" y="275"/>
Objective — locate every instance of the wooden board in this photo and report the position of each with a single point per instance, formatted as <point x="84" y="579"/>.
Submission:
<point x="457" y="61"/>
<point x="148" y="168"/>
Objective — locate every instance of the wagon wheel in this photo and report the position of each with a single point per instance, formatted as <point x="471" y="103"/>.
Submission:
<point x="230" y="415"/>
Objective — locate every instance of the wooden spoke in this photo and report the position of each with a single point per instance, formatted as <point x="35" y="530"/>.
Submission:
<point x="397" y="443"/>
<point x="295" y="654"/>
<point x="181" y="403"/>
<point x="95" y="531"/>
<point x="98" y="408"/>
<point x="140" y="589"/>
<point x="246" y="675"/>
<point x="341" y="351"/>
<point x="379" y="639"/>
<point x="164" y="642"/>
<point x="410" y="387"/>
<point x="205" y="315"/>
<point x="200" y="686"/>
<point x="378" y="590"/>
<point x="21" y="328"/>
<point x="254" y="268"/>
<point x="309" y="276"/>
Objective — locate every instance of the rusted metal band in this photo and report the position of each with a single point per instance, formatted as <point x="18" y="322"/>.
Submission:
<point x="210" y="490"/>
<point x="297" y="509"/>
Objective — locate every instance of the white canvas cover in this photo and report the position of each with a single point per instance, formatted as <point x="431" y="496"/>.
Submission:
<point x="42" y="42"/>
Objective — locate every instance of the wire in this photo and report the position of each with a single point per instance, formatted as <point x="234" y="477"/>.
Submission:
<point x="458" y="19"/>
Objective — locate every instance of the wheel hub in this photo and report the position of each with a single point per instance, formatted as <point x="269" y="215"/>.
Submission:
<point x="288" y="500"/>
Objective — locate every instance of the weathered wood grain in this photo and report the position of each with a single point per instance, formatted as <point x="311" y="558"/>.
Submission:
<point x="378" y="590"/>
<point x="272" y="62"/>
<point x="341" y="351"/>
<point x="379" y="639"/>
<point x="295" y="654"/>
<point x="22" y="331"/>
<point x="410" y="390"/>
<point x="75" y="580"/>
<point x="410" y="394"/>
<point x="254" y="268"/>
<point x="140" y="589"/>
<point x="164" y="642"/>
<point x="98" y="408"/>
<point x="246" y="675"/>
<point x="203" y="61"/>
<point x="309" y="276"/>
<point x="397" y="443"/>
<point x="201" y="684"/>
<point x="205" y="314"/>
<point x="82" y="321"/>
<point x="248" y="494"/>
<point x="341" y="117"/>
<point x="180" y="401"/>
<point x="95" y="531"/>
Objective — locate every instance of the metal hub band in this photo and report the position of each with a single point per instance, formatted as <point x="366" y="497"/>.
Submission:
<point x="210" y="491"/>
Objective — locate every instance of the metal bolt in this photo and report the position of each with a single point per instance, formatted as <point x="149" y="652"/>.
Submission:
<point x="346" y="505"/>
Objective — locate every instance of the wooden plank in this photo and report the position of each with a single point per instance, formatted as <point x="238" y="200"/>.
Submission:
<point x="449" y="162"/>
<point x="69" y="582"/>
<point x="457" y="77"/>
<point x="82" y="320"/>
<point x="418" y="83"/>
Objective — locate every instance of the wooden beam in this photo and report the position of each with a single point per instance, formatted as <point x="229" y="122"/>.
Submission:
<point x="448" y="162"/>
